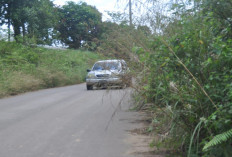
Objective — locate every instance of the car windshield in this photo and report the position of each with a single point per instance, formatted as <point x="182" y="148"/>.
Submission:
<point x="106" y="66"/>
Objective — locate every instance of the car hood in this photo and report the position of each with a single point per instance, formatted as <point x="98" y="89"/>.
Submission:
<point x="104" y="72"/>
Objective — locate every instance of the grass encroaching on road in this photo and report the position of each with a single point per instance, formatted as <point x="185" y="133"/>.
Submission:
<point x="24" y="68"/>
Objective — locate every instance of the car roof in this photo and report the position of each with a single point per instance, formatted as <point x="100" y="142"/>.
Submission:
<point x="112" y="60"/>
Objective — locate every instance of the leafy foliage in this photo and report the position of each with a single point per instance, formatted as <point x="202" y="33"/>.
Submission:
<point x="187" y="75"/>
<point x="74" y="24"/>
<point x="218" y="139"/>
<point x="26" y="15"/>
<point x="79" y="24"/>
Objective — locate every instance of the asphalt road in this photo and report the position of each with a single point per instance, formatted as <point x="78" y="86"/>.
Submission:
<point x="66" y="122"/>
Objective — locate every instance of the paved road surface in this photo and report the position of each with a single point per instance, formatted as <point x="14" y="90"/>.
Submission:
<point x="65" y="122"/>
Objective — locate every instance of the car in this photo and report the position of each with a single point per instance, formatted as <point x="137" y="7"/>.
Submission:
<point x="105" y="73"/>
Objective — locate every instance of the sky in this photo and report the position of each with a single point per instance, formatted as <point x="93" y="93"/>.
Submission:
<point x="101" y="5"/>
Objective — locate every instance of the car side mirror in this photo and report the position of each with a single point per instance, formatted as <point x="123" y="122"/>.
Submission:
<point x="88" y="70"/>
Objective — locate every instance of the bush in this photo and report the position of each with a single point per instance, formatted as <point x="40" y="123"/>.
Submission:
<point x="188" y="76"/>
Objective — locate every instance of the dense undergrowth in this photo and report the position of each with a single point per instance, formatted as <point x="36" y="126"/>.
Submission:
<point x="186" y="81"/>
<point x="118" y="40"/>
<point x="24" y="68"/>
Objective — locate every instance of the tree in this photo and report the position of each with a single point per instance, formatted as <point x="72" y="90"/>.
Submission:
<point x="41" y="20"/>
<point x="78" y="24"/>
<point x="5" y="14"/>
<point x="28" y="17"/>
<point x="118" y="17"/>
<point x="12" y="12"/>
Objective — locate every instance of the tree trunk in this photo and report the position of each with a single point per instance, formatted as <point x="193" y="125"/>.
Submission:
<point x="24" y="31"/>
<point x="9" y="29"/>
<point x="16" y="27"/>
<point x="9" y="20"/>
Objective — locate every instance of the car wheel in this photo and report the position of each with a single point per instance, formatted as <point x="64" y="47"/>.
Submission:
<point x="89" y="87"/>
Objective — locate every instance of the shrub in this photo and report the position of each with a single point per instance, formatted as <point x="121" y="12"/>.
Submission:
<point x="188" y="73"/>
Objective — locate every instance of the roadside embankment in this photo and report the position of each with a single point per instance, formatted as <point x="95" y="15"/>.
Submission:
<point x="24" y="68"/>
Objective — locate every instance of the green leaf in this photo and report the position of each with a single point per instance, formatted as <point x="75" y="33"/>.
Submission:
<point x="218" y="139"/>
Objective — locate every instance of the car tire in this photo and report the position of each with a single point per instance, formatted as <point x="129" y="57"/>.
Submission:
<point x="89" y="87"/>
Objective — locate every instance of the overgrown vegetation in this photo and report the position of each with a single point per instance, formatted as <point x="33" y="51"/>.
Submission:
<point x="118" y="40"/>
<point x="187" y="76"/>
<point x="24" y="68"/>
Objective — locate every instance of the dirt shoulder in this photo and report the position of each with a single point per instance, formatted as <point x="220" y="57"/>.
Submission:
<point x="139" y="139"/>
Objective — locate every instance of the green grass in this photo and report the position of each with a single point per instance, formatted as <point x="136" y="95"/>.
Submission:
<point x="24" y="68"/>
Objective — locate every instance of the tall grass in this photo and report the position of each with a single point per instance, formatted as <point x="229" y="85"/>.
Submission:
<point x="24" y="68"/>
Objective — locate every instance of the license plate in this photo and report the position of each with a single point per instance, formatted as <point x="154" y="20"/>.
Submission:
<point x="103" y="82"/>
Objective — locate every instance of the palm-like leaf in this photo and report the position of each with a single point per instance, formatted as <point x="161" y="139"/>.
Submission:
<point x="218" y="139"/>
